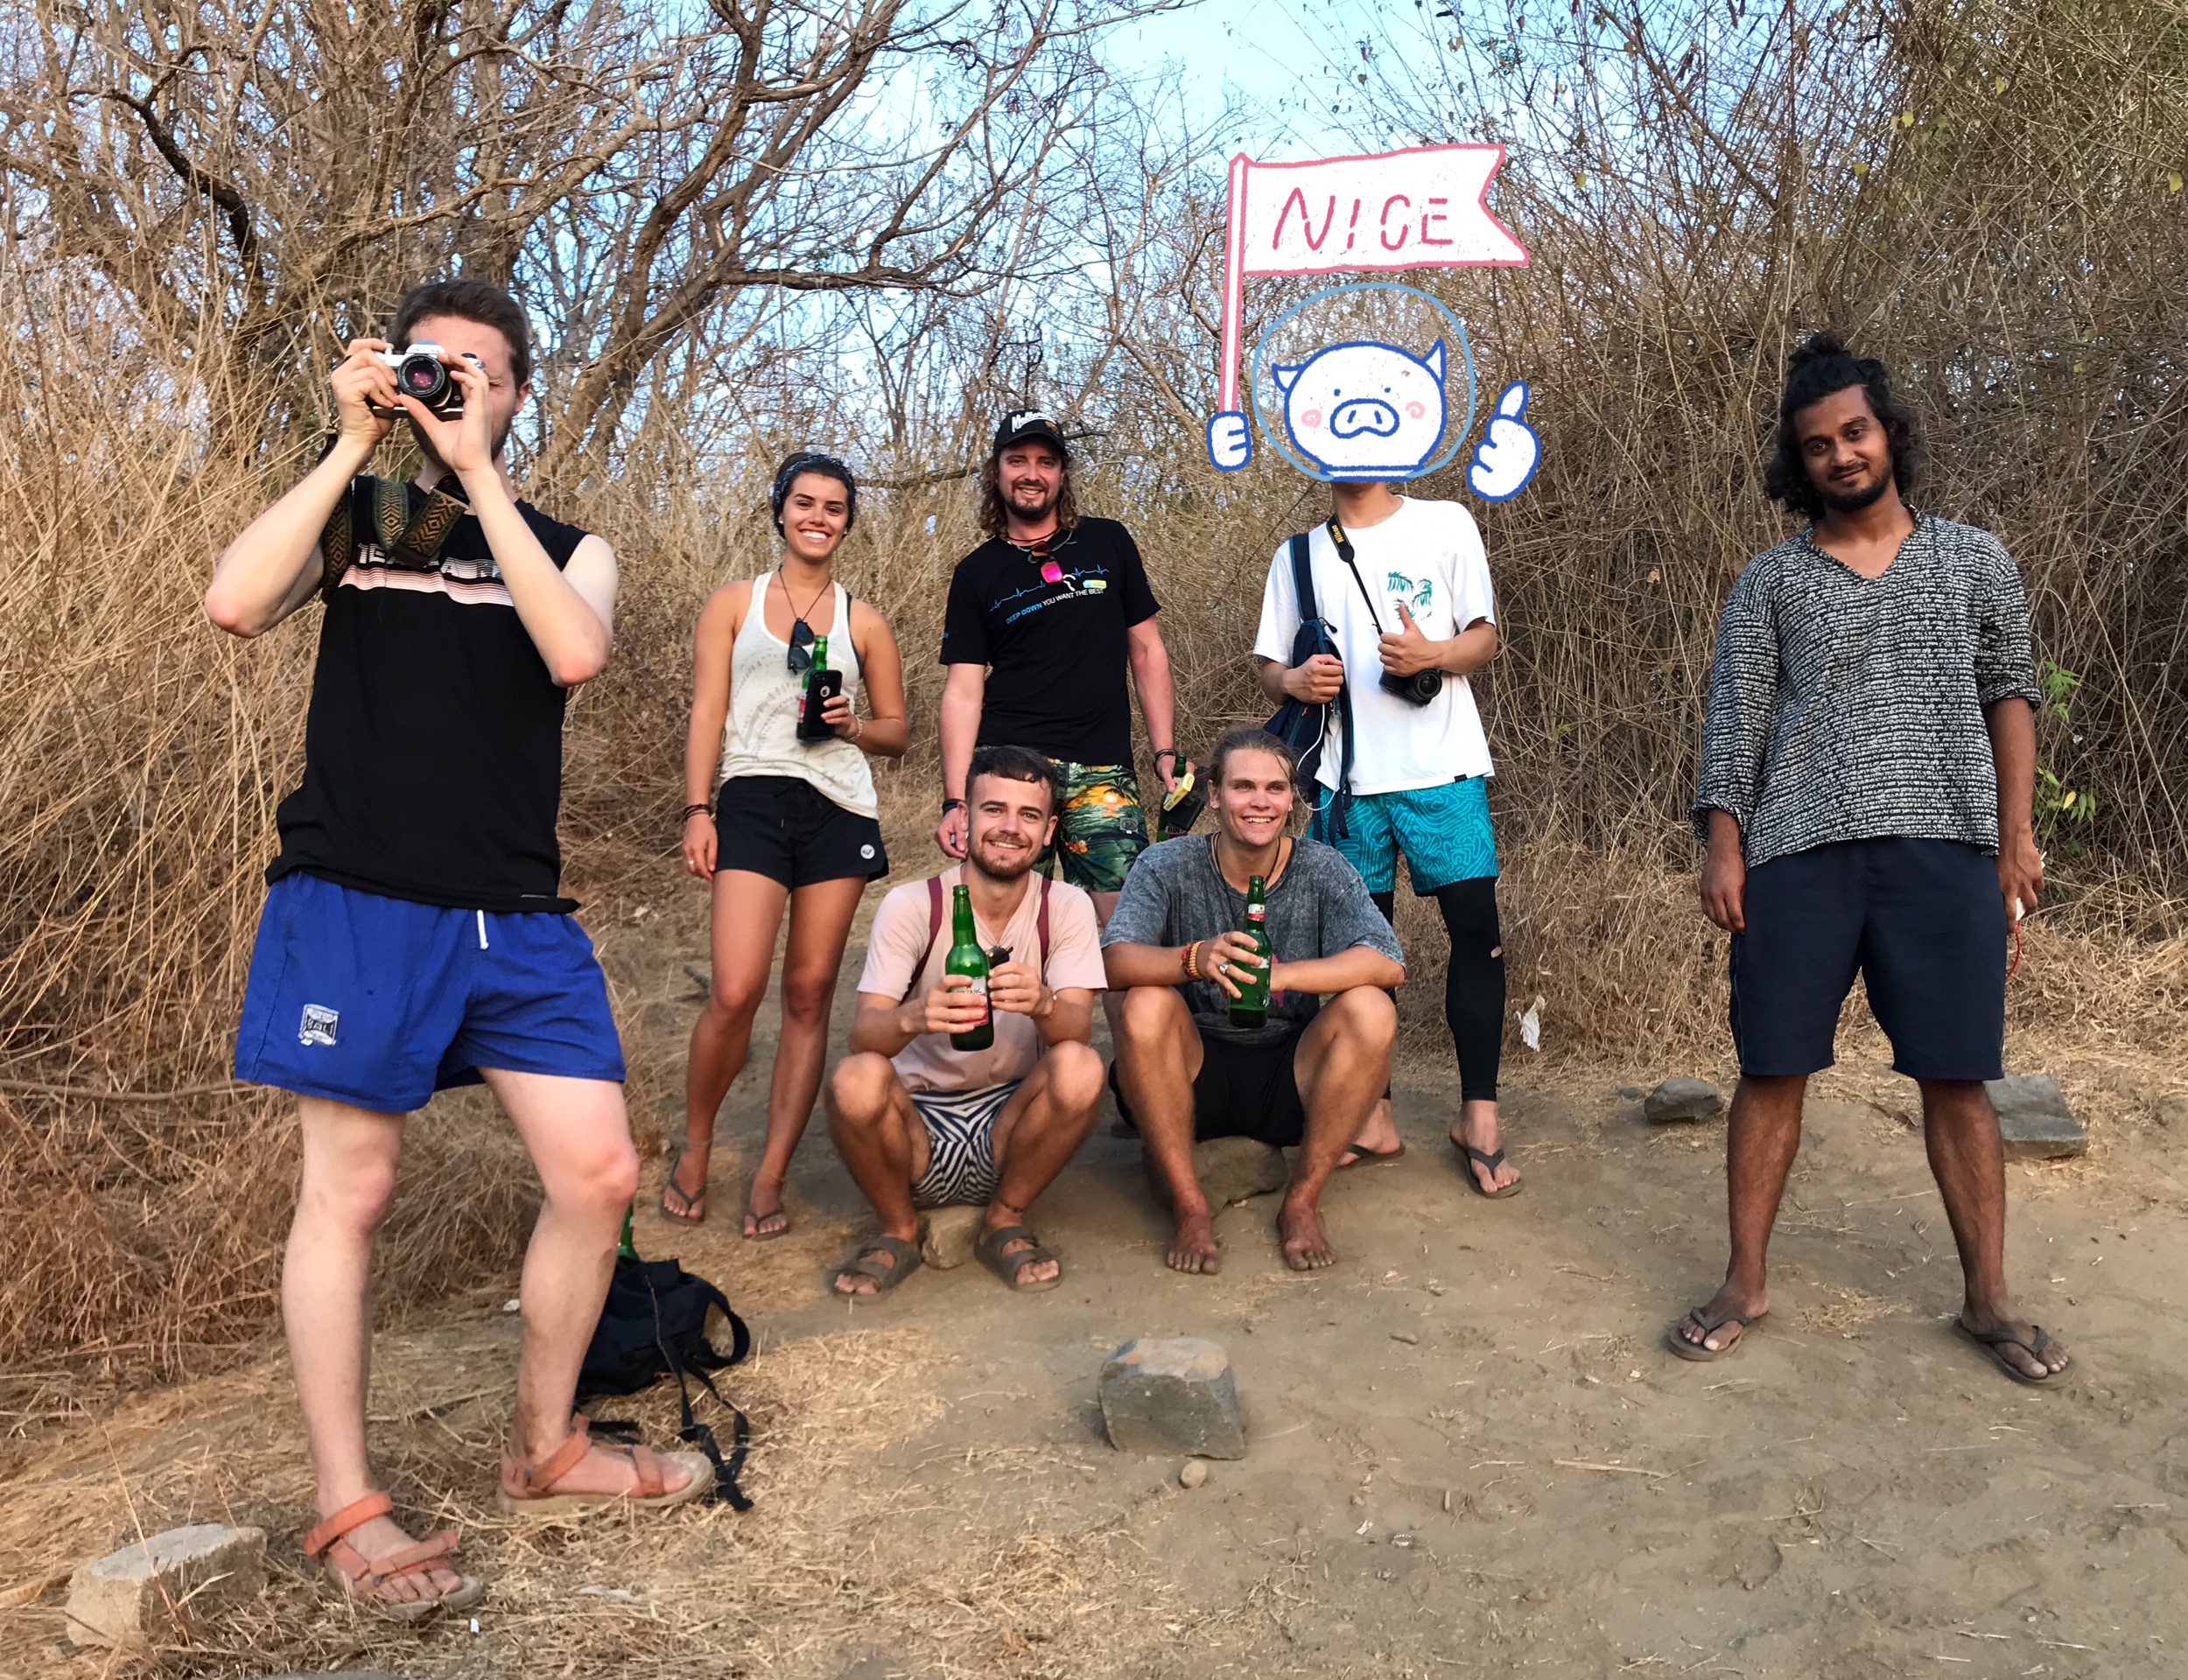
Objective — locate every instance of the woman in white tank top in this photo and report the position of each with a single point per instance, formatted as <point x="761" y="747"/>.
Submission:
<point x="795" y="824"/>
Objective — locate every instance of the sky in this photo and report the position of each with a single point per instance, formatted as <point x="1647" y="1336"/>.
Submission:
<point x="1281" y="59"/>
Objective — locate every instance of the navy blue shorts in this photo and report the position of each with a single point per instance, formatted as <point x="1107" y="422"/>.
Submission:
<point x="1922" y="921"/>
<point x="380" y="1002"/>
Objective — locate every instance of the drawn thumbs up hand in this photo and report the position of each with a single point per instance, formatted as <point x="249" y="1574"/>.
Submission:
<point x="1230" y="444"/>
<point x="1507" y="456"/>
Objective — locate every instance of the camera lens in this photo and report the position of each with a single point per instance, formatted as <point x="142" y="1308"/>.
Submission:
<point x="422" y="377"/>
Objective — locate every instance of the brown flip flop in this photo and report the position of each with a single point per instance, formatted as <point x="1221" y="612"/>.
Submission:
<point x="669" y="1186"/>
<point x="1694" y="1350"/>
<point x="1490" y="1158"/>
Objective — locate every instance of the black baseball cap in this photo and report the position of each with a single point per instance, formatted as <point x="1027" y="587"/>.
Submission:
<point x="1021" y="424"/>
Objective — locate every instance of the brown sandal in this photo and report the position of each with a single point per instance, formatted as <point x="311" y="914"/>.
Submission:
<point x="365" y="1579"/>
<point x="531" y="1487"/>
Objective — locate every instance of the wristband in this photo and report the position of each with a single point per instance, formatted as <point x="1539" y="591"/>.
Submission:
<point x="949" y="805"/>
<point x="690" y="811"/>
<point x="1163" y="752"/>
<point x="1185" y="957"/>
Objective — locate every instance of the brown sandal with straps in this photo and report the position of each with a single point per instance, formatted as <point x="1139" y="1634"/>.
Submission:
<point x="366" y="1579"/>
<point x="530" y="1486"/>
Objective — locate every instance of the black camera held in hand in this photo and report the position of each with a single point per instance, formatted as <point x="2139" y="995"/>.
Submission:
<point x="420" y="373"/>
<point x="1415" y="690"/>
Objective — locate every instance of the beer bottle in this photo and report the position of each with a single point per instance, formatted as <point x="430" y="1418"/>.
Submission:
<point x="822" y="685"/>
<point x="625" y="1248"/>
<point x="967" y="958"/>
<point x="1250" y="1007"/>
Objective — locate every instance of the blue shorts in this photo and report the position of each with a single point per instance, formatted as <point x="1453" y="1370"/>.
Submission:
<point x="1443" y="832"/>
<point x="380" y="1002"/>
<point x="1922" y="921"/>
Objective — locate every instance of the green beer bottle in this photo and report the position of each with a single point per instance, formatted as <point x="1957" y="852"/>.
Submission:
<point x="624" y="1247"/>
<point x="967" y="958"/>
<point x="1251" y="1008"/>
<point x="822" y="685"/>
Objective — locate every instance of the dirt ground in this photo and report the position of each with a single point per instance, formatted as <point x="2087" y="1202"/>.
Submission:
<point x="1469" y="1450"/>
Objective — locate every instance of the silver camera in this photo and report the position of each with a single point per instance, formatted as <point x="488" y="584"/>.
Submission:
<point x="420" y="373"/>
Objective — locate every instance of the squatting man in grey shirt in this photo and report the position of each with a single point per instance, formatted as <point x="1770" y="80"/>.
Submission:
<point x="1868" y="769"/>
<point x="1308" y="1076"/>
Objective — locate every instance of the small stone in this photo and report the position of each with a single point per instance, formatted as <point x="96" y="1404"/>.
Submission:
<point x="2172" y="1110"/>
<point x="1631" y="1093"/>
<point x="1684" y="1099"/>
<point x="2034" y="1120"/>
<point x="1406" y="1336"/>
<point x="1193" y="1474"/>
<point x="949" y="1237"/>
<point x="1229" y="1169"/>
<point x="128" y="1599"/>
<point x="1172" y="1395"/>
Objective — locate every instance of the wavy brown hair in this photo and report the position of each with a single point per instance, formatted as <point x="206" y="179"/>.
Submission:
<point x="992" y="510"/>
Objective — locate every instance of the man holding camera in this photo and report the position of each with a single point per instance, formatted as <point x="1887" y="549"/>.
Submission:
<point x="1403" y="587"/>
<point x="922" y="1123"/>
<point x="414" y="935"/>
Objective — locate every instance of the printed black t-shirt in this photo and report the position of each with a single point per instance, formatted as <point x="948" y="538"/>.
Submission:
<point x="432" y="751"/>
<point x="1056" y="652"/>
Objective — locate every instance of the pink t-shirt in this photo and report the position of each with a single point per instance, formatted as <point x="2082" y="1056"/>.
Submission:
<point x="901" y="934"/>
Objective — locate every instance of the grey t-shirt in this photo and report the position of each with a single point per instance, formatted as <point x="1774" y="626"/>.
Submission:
<point x="1317" y="908"/>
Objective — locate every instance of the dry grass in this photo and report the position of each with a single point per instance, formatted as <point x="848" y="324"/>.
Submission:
<point x="819" y="1575"/>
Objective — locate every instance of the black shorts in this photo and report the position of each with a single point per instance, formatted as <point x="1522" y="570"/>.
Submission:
<point x="1249" y="1090"/>
<point x="791" y="832"/>
<point x="1924" y="923"/>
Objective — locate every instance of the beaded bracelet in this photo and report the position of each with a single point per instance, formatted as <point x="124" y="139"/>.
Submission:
<point x="1187" y="959"/>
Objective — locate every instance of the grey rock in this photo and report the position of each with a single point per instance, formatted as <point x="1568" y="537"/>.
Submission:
<point x="1172" y="1395"/>
<point x="2034" y="1120"/>
<point x="2172" y="1110"/>
<point x="949" y="1237"/>
<point x="129" y="1598"/>
<point x="1631" y="1093"/>
<point x="1683" y="1099"/>
<point x="1229" y="1169"/>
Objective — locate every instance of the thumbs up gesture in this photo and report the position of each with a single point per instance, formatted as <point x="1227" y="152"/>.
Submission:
<point x="1507" y="456"/>
<point x="1407" y="649"/>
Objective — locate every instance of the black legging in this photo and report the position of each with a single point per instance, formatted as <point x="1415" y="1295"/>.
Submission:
<point x="1473" y="981"/>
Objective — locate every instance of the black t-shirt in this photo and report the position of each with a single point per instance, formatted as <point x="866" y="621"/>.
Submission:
<point x="432" y="752"/>
<point x="1056" y="652"/>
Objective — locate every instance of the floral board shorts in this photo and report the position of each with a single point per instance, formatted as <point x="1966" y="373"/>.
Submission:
<point x="1100" y="827"/>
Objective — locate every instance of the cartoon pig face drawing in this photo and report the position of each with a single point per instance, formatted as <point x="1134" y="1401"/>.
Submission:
<point x="1364" y="410"/>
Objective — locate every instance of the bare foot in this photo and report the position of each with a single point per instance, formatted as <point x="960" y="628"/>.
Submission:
<point x="379" y="1538"/>
<point x="2012" y="1339"/>
<point x="763" y="1222"/>
<point x="1299" y="1228"/>
<point x="1195" y="1248"/>
<point x="1744" y="1306"/>
<point x="685" y="1196"/>
<point x="1478" y="1128"/>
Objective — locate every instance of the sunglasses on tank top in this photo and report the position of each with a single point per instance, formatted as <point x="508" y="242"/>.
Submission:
<point x="801" y="632"/>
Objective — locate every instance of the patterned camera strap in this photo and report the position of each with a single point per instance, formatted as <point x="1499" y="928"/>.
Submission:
<point x="397" y="518"/>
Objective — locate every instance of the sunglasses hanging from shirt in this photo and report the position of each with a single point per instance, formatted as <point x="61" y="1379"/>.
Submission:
<point x="1422" y="686"/>
<point x="801" y="632"/>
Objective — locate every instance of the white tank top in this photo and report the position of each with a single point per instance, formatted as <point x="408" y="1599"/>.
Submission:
<point x="760" y="738"/>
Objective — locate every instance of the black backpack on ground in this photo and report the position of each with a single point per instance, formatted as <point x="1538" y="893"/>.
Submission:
<point x="653" y="1325"/>
<point x="1302" y="725"/>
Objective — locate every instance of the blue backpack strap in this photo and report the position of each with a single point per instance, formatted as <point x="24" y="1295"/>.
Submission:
<point x="1303" y="579"/>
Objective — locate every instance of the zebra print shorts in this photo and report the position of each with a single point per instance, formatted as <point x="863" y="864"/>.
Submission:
<point x="960" y="1145"/>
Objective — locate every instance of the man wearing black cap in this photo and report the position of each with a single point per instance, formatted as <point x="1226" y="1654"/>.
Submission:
<point x="1043" y="622"/>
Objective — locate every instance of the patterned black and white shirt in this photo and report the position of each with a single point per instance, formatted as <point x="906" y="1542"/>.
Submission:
<point x="1847" y="708"/>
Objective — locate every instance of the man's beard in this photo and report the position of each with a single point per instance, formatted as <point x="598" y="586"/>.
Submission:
<point x="1006" y="871"/>
<point x="1045" y="502"/>
<point x="1852" y="501"/>
<point x="501" y="443"/>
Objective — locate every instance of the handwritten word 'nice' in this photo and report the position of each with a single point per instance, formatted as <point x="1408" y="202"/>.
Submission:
<point x="1391" y="236"/>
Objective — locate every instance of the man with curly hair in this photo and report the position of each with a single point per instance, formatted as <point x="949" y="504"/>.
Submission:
<point x="1867" y="791"/>
<point x="1044" y="621"/>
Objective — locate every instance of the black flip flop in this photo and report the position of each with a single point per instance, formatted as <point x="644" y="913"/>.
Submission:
<point x="696" y="1204"/>
<point x="866" y="1263"/>
<point x="1369" y="1157"/>
<point x="1997" y="1341"/>
<point x="989" y="1250"/>
<point x="1694" y="1350"/>
<point x="1493" y="1160"/>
